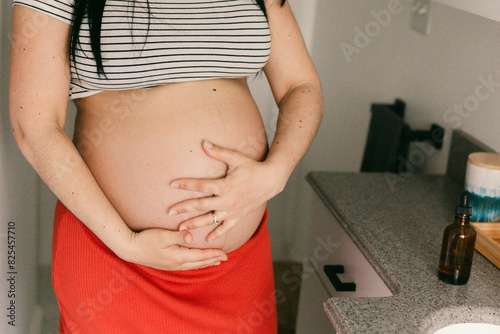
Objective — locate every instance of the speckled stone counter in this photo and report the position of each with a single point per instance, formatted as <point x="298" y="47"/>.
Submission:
<point x="399" y="230"/>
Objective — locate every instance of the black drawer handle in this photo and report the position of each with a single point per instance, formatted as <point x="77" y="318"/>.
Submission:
<point x="331" y="272"/>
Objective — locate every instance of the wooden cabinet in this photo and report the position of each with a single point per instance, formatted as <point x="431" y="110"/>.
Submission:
<point x="329" y="252"/>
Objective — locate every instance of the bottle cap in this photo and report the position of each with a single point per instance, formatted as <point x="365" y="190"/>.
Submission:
<point x="464" y="209"/>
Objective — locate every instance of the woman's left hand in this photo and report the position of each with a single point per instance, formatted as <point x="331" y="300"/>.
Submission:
<point x="247" y="185"/>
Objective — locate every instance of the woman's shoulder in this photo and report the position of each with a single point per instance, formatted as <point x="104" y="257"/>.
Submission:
<point x="59" y="9"/>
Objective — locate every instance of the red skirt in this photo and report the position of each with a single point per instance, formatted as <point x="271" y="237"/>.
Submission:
<point x="98" y="292"/>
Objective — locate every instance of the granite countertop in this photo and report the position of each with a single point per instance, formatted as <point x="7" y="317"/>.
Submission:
<point x="399" y="230"/>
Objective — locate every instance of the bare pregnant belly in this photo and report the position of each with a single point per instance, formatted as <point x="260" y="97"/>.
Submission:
<point x="136" y="142"/>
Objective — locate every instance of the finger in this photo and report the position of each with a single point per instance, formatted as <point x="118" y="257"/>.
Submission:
<point x="200" y="204"/>
<point x="186" y="255"/>
<point x="200" y="264"/>
<point x="199" y="221"/>
<point x="206" y="186"/>
<point x="219" y="231"/>
<point x="230" y="157"/>
<point x="181" y="238"/>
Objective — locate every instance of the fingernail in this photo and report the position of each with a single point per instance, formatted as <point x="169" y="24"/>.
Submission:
<point x="208" y="144"/>
<point x="217" y="263"/>
<point x="183" y="228"/>
<point x="174" y="185"/>
<point x="224" y="258"/>
<point x="172" y="213"/>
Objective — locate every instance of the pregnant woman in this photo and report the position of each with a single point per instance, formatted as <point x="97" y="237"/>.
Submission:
<point x="160" y="224"/>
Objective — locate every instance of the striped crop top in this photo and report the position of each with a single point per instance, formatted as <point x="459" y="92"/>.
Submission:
<point x="187" y="40"/>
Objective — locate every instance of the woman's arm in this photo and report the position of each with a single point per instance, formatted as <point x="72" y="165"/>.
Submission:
<point x="249" y="183"/>
<point x="38" y="95"/>
<point x="296" y="88"/>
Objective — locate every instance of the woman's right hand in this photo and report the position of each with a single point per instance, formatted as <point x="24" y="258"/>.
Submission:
<point x="169" y="250"/>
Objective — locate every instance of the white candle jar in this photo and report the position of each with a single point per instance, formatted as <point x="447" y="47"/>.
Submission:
<point x="482" y="182"/>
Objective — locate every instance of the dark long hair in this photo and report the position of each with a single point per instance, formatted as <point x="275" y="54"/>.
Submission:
<point x="95" y="10"/>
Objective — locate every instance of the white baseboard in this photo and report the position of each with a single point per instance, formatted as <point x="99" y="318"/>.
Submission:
<point x="37" y="321"/>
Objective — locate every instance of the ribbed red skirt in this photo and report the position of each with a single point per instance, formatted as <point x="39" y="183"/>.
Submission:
<point x="98" y="292"/>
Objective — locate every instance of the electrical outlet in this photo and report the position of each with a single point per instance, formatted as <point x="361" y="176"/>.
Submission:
<point x="421" y="16"/>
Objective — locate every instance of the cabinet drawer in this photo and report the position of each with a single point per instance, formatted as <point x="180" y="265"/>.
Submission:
<point x="330" y="245"/>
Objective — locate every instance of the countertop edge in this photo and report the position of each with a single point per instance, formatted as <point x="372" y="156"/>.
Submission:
<point x="371" y="256"/>
<point x="336" y="317"/>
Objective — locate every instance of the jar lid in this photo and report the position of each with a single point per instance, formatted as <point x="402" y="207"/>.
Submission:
<point x="485" y="160"/>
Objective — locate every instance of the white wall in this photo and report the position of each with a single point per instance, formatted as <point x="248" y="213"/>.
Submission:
<point x="18" y="204"/>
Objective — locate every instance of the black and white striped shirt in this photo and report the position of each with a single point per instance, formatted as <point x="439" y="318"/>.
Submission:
<point x="187" y="40"/>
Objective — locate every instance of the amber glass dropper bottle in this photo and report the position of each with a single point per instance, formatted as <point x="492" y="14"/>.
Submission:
<point x="457" y="250"/>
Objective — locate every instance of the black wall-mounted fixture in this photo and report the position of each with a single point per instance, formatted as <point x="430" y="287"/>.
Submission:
<point x="389" y="138"/>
